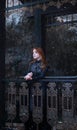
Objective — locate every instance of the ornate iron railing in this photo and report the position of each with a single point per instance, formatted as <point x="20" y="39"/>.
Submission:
<point x="49" y="100"/>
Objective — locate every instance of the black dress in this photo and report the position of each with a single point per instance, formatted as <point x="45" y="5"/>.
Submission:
<point x="37" y="70"/>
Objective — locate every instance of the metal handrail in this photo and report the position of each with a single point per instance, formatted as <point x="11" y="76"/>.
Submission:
<point x="45" y="79"/>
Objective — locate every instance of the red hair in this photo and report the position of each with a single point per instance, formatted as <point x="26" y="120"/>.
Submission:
<point x="41" y="53"/>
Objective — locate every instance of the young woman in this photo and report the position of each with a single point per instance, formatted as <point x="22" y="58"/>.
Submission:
<point x="38" y="66"/>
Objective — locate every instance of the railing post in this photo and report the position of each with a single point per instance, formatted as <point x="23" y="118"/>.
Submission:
<point x="75" y="103"/>
<point x="30" y="102"/>
<point x="44" y="124"/>
<point x="59" y="97"/>
<point x="17" y="118"/>
<point x="30" y="125"/>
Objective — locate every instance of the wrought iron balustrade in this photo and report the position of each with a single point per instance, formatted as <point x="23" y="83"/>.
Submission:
<point x="50" y="100"/>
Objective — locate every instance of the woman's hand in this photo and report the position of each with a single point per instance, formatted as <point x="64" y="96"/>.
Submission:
<point x="28" y="76"/>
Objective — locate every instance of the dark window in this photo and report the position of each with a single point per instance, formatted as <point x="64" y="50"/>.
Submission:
<point x="61" y="44"/>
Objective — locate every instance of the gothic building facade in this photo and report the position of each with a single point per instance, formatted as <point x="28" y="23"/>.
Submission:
<point x="50" y="103"/>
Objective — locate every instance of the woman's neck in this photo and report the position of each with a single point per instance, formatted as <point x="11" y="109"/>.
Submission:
<point x="38" y="59"/>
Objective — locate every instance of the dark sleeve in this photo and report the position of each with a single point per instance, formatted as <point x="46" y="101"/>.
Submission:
<point x="41" y="74"/>
<point x="29" y="68"/>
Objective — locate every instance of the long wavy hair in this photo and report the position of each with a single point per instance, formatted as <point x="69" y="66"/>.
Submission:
<point x="43" y="59"/>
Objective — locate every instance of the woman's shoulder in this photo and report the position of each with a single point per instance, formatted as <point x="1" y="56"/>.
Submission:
<point x="31" y="63"/>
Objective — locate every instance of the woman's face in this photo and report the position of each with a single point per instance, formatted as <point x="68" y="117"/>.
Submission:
<point x="36" y="55"/>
